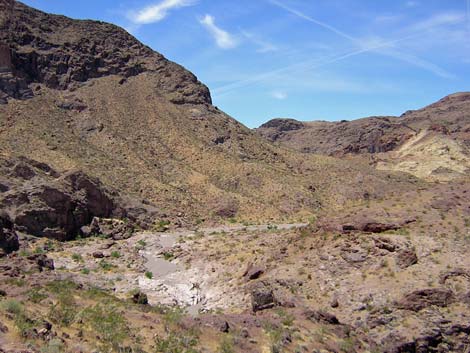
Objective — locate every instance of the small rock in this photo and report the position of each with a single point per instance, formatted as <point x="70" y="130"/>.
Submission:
<point x="334" y="302"/>
<point x="262" y="298"/>
<point x="406" y="258"/>
<point x="254" y="272"/>
<point x="140" y="298"/>
<point x="322" y="317"/>
<point x="225" y="327"/>
<point x="245" y="333"/>
<point x="98" y="255"/>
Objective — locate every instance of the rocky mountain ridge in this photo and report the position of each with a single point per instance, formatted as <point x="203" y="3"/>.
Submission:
<point x="393" y="143"/>
<point x="62" y="53"/>
<point x="92" y="98"/>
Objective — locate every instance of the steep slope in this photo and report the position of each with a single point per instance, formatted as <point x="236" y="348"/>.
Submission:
<point x="432" y="142"/>
<point x="86" y="95"/>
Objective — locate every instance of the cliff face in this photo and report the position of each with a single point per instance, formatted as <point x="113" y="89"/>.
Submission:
<point x="62" y="53"/>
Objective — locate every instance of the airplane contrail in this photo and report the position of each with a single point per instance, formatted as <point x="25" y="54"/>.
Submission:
<point x="220" y="91"/>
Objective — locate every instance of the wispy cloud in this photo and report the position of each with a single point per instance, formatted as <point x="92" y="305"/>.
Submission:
<point x="430" y="23"/>
<point x="279" y="95"/>
<point x="312" y="20"/>
<point x="158" y="11"/>
<point x="418" y="62"/>
<point x="223" y="39"/>
<point x="442" y="19"/>
<point x="302" y="67"/>
<point x="263" y="46"/>
<point x="411" y="3"/>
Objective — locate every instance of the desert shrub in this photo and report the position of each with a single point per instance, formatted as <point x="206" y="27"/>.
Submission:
<point x="108" y="323"/>
<point x="347" y="346"/>
<point x="105" y="266"/>
<point x="59" y="286"/>
<point x="36" y="295"/>
<point x="168" y="256"/>
<point x="149" y="274"/>
<point x="64" y="311"/>
<point x="85" y="271"/>
<point x="77" y="257"/>
<point x="53" y="346"/>
<point x="177" y="342"/>
<point x="141" y="244"/>
<point x="23" y="323"/>
<point x="12" y="306"/>
<point x="226" y="346"/>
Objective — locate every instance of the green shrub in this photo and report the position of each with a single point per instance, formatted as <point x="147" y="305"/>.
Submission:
<point x="105" y="266"/>
<point x="77" y="257"/>
<point x="53" y="346"/>
<point x="168" y="256"/>
<point x="22" y="322"/>
<point x="226" y="346"/>
<point x="12" y="306"/>
<point x="177" y="342"/>
<point x="63" y="312"/>
<point x="108" y="323"/>
<point x="35" y="295"/>
<point x="149" y="274"/>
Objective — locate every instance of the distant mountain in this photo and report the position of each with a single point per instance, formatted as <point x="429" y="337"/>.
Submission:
<point x="432" y="142"/>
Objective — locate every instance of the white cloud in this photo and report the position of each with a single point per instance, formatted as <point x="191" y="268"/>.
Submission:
<point x="222" y="38"/>
<point x="157" y="12"/>
<point x="279" y="95"/>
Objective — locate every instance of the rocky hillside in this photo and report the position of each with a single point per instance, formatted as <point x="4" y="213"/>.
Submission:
<point x="88" y="96"/>
<point x="433" y="142"/>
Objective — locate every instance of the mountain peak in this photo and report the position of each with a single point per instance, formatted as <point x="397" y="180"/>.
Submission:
<point x="63" y="54"/>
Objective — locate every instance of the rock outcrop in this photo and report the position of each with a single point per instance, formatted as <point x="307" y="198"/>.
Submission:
<point x="62" y="53"/>
<point x="41" y="202"/>
<point x="8" y="237"/>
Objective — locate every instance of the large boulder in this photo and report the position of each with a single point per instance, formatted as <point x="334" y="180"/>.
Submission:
<point x="41" y="202"/>
<point x="8" y="237"/>
<point x="424" y="298"/>
<point x="262" y="297"/>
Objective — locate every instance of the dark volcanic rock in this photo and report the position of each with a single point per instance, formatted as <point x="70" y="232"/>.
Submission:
<point x="322" y="317"/>
<point x="8" y="237"/>
<point x="407" y="258"/>
<point x="140" y="298"/>
<point x="447" y="117"/>
<point x="423" y="298"/>
<point x="282" y="125"/>
<point x="31" y="51"/>
<point x="262" y="297"/>
<point x="42" y="261"/>
<point x="40" y="204"/>
<point x="254" y="271"/>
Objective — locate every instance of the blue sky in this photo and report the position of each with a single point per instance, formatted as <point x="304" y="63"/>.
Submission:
<point x="305" y="59"/>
